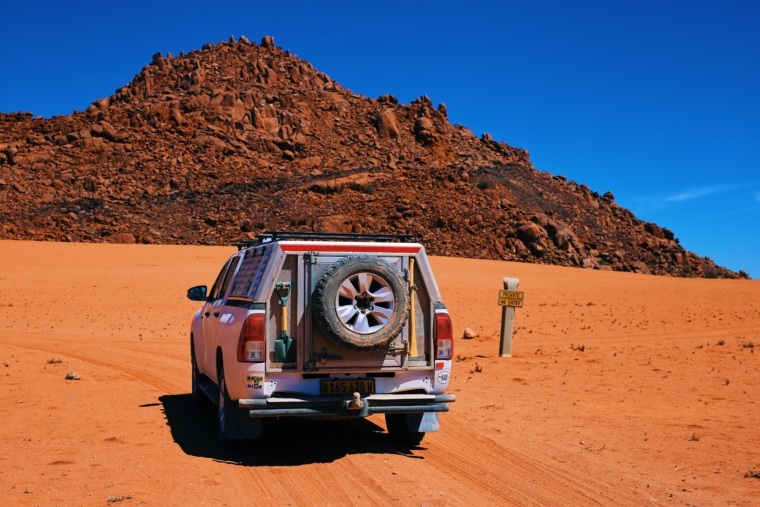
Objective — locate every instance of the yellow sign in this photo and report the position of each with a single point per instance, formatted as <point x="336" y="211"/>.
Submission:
<point x="510" y="294"/>
<point x="516" y="303"/>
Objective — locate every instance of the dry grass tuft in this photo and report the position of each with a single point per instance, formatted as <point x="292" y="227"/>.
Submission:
<point x="55" y="360"/>
<point x="113" y="499"/>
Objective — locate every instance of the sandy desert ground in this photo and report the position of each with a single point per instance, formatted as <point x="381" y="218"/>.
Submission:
<point x="660" y="407"/>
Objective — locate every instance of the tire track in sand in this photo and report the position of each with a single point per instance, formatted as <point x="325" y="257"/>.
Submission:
<point x="510" y="476"/>
<point x="158" y="378"/>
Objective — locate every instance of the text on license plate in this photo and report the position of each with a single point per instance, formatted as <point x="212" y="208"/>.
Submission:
<point x="361" y="386"/>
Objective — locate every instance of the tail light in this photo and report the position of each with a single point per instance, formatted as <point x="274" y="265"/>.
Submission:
<point x="252" y="346"/>
<point x="444" y="336"/>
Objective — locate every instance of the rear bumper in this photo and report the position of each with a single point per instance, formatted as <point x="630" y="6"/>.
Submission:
<point x="345" y="406"/>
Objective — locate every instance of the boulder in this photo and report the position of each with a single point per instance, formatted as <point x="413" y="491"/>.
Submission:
<point x="10" y="152"/>
<point x="541" y="220"/>
<point x="333" y="223"/>
<point x="248" y="98"/>
<point x="102" y="104"/>
<point x="640" y="267"/>
<point x="228" y="99"/>
<point x="385" y="123"/>
<point x="267" y="41"/>
<point x="529" y="233"/>
<point x="654" y="230"/>
<point x="246" y="226"/>
<point x="90" y="184"/>
<point x="520" y="249"/>
<point x="423" y="131"/>
<point x="387" y="98"/>
<point x="563" y="238"/>
<point x="266" y="118"/>
<point x="469" y="334"/>
<point x="126" y="238"/>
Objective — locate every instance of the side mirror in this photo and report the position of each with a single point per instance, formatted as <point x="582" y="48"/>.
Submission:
<point x="197" y="293"/>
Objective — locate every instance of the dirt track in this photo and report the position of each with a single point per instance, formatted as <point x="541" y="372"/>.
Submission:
<point x="612" y="425"/>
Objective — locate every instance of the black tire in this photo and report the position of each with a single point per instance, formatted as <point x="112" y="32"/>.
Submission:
<point x="348" y="270"/>
<point x="222" y="410"/>
<point x="198" y="396"/>
<point x="397" y="429"/>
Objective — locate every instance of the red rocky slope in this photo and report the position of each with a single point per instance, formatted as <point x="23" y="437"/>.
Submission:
<point x="237" y="138"/>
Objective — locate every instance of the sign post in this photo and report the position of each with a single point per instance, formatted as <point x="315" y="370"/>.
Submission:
<point x="509" y="299"/>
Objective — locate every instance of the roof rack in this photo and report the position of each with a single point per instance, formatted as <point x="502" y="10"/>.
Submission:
<point x="271" y="236"/>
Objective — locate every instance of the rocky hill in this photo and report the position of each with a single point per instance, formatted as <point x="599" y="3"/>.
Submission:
<point x="222" y="143"/>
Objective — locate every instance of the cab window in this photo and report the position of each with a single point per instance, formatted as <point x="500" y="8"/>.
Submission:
<point x="214" y="293"/>
<point x="228" y="277"/>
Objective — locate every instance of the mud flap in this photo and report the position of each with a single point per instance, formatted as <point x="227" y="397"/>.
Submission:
<point x="424" y="422"/>
<point x="240" y="425"/>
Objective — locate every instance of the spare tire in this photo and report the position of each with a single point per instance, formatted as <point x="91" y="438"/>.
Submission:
<point x="361" y="302"/>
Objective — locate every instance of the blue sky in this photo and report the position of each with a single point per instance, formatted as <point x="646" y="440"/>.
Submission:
<point x="655" y="101"/>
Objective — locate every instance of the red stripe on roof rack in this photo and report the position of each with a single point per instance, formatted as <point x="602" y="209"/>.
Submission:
<point x="312" y="246"/>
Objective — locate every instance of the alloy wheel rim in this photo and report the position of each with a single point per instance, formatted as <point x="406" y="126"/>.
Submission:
<point x="365" y="303"/>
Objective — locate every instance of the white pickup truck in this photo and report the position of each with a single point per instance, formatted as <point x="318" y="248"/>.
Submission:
<point x="301" y="324"/>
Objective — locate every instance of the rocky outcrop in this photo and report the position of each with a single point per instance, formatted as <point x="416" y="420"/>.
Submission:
<point x="222" y="143"/>
<point x="386" y="124"/>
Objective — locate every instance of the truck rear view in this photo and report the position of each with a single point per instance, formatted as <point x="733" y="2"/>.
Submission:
<point x="328" y="325"/>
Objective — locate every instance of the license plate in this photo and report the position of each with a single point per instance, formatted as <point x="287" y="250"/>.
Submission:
<point x="361" y="386"/>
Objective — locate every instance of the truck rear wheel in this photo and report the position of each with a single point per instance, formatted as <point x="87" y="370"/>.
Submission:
<point x="222" y="412"/>
<point x="361" y="302"/>
<point x="398" y="429"/>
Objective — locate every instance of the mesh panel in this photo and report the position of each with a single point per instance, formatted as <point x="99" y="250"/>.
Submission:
<point x="250" y="273"/>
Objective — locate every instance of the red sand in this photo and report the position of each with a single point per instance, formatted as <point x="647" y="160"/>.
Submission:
<point x="653" y="411"/>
